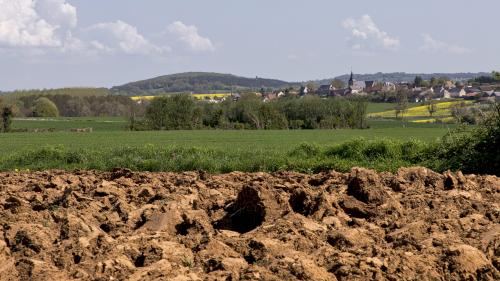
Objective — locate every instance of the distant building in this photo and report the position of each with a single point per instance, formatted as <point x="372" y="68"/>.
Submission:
<point x="325" y="90"/>
<point x="303" y="91"/>
<point x="356" y="87"/>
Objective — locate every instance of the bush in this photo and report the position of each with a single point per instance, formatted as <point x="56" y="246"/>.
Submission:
<point x="474" y="150"/>
<point x="44" y="107"/>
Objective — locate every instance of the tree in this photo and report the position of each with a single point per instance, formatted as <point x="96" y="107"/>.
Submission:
<point x="495" y="75"/>
<point x="338" y="84"/>
<point x="175" y="112"/>
<point x="311" y="87"/>
<point x="434" y="81"/>
<point x="6" y="119"/>
<point x="418" y="81"/>
<point x="43" y="107"/>
<point x="431" y="108"/>
<point x="402" y="103"/>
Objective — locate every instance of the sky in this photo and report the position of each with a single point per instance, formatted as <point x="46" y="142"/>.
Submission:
<point x="65" y="43"/>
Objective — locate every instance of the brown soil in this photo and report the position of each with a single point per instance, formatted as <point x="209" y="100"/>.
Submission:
<point x="415" y="225"/>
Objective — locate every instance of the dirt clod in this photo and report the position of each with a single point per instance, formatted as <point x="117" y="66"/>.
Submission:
<point x="364" y="225"/>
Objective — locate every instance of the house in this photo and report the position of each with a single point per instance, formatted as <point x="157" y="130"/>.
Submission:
<point x="485" y="88"/>
<point x="373" y="87"/>
<point x="449" y="84"/>
<point x="424" y="95"/>
<point x="270" y="97"/>
<point x="443" y="93"/>
<point x="356" y="87"/>
<point x="457" y="92"/>
<point x="469" y="90"/>
<point x="303" y="91"/>
<point x="471" y="95"/>
<point x="388" y="87"/>
<point x="273" y="96"/>
<point x="325" y="90"/>
<point x="235" y="96"/>
<point x="339" y="92"/>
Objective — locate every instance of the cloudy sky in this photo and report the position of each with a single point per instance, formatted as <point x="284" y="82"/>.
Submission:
<point x="58" y="43"/>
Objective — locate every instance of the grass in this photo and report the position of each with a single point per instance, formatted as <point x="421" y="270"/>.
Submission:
<point x="382" y="155"/>
<point x="217" y="139"/>
<point x="381" y="147"/>
<point x="214" y="150"/>
<point x="66" y="123"/>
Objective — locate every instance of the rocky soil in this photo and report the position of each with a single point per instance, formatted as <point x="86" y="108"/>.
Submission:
<point x="363" y="225"/>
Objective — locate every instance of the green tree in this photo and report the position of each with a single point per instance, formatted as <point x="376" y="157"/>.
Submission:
<point x="311" y="88"/>
<point x="43" y="107"/>
<point x="425" y="84"/>
<point x="431" y="108"/>
<point x="338" y="84"/>
<point x="401" y="103"/>
<point x="433" y="81"/>
<point x="495" y="75"/>
<point x="175" y="112"/>
<point x="6" y="118"/>
<point x="418" y="81"/>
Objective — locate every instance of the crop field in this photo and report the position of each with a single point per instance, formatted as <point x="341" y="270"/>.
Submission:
<point x="443" y="109"/>
<point x="111" y="145"/>
<point x="196" y="96"/>
<point x="67" y="123"/>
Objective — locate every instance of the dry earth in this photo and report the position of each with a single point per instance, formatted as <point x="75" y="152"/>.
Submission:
<point x="85" y="225"/>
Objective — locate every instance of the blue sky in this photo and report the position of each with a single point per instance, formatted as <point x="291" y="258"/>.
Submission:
<point x="58" y="43"/>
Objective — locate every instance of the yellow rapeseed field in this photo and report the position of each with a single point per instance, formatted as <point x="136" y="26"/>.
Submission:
<point x="196" y="96"/>
<point x="443" y="109"/>
<point x="433" y="120"/>
<point x="211" y="96"/>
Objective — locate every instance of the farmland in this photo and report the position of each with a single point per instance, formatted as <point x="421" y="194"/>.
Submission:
<point x="442" y="109"/>
<point x="213" y="150"/>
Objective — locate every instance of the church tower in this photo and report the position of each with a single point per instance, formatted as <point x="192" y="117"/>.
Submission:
<point x="351" y="80"/>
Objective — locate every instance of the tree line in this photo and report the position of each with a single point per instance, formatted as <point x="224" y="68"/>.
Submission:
<point x="181" y="112"/>
<point x="72" y="106"/>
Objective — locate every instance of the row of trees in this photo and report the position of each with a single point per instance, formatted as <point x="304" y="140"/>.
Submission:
<point x="73" y="106"/>
<point x="434" y="81"/>
<point x="249" y="112"/>
<point x="494" y="78"/>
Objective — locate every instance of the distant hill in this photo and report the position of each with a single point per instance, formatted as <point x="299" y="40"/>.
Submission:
<point x="197" y="82"/>
<point x="404" y="77"/>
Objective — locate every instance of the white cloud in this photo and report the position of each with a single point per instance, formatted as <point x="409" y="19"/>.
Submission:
<point x="365" y="29"/>
<point x="124" y="37"/>
<point x="21" y="25"/>
<point x="189" y="35"/>
<point x="57" y="12"/>
<point x="432" y="45"/>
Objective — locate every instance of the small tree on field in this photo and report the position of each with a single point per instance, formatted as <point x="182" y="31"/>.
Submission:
<point x="44" y="107"/>
<point x="402" y="103"/>
<point x="431" y="108"/>
<point x="6" y="119"/>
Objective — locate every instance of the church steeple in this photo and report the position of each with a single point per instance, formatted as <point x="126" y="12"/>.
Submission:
<point x="351" y="80"/>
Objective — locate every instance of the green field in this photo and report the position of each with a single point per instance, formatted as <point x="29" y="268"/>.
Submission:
<point x="66" y="123"/>
<point x="382" y="146"/>
<point x="109" y="133"/>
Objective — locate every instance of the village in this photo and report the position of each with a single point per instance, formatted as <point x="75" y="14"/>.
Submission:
<point x="418" y="91"/>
